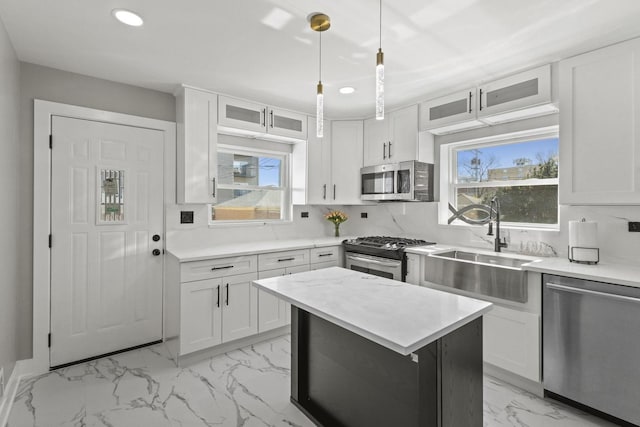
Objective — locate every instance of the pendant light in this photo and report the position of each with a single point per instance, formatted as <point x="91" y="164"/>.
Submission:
<point x="320" y="22"/>
<point x="380" y="76"/>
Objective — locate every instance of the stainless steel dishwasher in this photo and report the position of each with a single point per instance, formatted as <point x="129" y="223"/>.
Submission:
<point x="591" y="345"/>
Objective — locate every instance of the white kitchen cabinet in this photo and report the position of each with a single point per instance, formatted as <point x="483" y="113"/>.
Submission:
<point x="318" y="164"/>
<point x="413" y="269"/>
<point x="515" y="96"/>
<point x="511" y="341"/>
<point x="272" y="311"/>
<point x="600" y="126"/>
<point x="329" y="256"/>
<point x="451" y="113"/>
<point x="346" y="162"/>
<point x="259" y="118"/>
<point x="394" y="139"/>
<point x="215" y="311"/>
<point x="196" y="156"/>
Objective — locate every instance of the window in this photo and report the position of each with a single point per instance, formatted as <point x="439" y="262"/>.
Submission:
<point x="520" y="170"/>
<point x="253" y="186"/>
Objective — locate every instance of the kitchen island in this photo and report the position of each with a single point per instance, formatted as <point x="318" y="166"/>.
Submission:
<point x="370" y="351"/>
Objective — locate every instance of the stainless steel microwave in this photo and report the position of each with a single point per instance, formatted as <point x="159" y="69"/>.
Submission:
<point x="403" y="181"/>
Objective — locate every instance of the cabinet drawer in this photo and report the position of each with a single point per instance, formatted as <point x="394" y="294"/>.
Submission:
<point x="331" y="253"/>
<point x="275" y="260"/>
<point x="321" y="265"/>
<point x="211" y="268"/>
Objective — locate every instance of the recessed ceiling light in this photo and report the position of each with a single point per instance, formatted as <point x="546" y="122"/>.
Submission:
<point x="127" y="17"/>
<point x="347" y="90"/>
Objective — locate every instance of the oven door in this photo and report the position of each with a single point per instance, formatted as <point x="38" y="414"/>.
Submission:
<point x="378" y="266"/>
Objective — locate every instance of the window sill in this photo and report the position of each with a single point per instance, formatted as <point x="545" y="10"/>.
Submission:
<point x="552" y="229"/>
<point x="230" y="224"/>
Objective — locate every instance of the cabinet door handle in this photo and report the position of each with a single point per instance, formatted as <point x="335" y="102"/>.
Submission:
<point x="480" y="99"/>
<point x="470" y="102"/>
<point x="384" y="150"/>
<point x="264" y="117"/>
<point x="389" y="149"/>
<point x="227" y="302"/>
<point x="324" y="192"/>
<point x="271" y="119"/>
<point x="221" y="268"/>
<point x="213" y="188"/>
<point x="218" y="303"/>
<point x="334" y="191"/>
<point x="285" y="259"/>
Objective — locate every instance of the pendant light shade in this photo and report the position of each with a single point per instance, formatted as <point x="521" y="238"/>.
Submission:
<point x="320" y="22"/>
<point x="380" y="76"/>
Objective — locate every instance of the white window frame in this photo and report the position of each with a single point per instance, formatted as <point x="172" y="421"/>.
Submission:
<point x="286" y="207"/>
<point x="448" y="174"/>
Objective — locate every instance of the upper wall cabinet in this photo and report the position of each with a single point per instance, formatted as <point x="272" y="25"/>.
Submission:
<point x="394" y="139"/>
<point x="514" y="97"/>
<point x="244" y="117"/>
<point x="600" y="126"/>
<point x="523" y="95"/>
<point x="346" y="162"/>
<point x="196" y="116"/>
<point x="451" y="113"/>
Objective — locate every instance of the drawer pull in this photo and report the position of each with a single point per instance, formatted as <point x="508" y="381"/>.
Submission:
<point x="221" y="268"/>
<point x="327" y="254"/>
<point x="286" y="259"/>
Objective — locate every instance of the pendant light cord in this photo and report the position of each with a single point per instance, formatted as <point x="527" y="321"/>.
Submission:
<point x="320" y="61"/>
<point x="380" y="25"/>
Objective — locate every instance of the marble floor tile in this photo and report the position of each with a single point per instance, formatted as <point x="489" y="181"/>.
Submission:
<point x="246" y="387"/>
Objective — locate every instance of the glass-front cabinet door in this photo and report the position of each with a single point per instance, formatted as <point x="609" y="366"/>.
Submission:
<point x="450" y="113"/>
<point x="286" y="123"/>
<point x="515" y="92"/>
<point x="240" y="114"/>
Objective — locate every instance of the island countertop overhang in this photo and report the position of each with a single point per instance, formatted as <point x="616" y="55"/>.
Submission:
<point x="396" y="315"/>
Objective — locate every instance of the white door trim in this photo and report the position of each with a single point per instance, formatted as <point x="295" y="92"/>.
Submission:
<point x="43" y="110"/>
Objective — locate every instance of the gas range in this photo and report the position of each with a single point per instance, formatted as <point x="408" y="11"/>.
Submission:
<point x="383" y="246"/>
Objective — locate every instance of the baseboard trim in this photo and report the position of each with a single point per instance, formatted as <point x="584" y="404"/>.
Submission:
<point x="514" y="379"/>
<point x="11" y="390"/>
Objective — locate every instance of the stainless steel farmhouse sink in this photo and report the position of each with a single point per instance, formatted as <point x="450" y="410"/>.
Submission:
<point x="496" y="276"/>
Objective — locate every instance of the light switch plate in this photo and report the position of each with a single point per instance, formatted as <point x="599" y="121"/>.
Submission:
<point x="186" y="217"/>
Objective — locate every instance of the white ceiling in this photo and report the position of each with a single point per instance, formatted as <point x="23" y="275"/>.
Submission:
<point x="431" y="46"/>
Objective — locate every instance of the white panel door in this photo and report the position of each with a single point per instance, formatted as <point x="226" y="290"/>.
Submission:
<point x="200" y="315"/>
<point x="106" y="206"/>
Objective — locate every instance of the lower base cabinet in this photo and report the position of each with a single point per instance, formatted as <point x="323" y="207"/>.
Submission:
<point x="511" y="341"/>
<point x="217" y="310"/>
<point x="272" y="311"/>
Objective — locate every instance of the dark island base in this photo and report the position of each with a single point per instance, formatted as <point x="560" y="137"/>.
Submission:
<point x="339" y="378"/>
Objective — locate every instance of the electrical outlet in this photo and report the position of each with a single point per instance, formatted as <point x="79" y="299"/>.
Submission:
<point x="363" y="215"/>
<point x="186" y="217"/>
<point x="304" y="214"/>
<point x="634" y="226"/>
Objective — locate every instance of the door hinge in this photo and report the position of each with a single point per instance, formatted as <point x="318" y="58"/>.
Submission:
<point x="50" y="141"/>
<point x="49" y="340"/>
<point x="49" y="241"/>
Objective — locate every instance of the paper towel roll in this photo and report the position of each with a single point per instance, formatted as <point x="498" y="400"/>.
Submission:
<point x="583" y="241"/>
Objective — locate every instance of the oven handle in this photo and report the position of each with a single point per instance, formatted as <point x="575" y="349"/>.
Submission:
<point x="372" y="261"/>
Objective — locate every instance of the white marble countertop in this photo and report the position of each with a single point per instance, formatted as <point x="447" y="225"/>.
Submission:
<point x="250" y="248"/>
<point x="396" y="315"/>
<point x="621" y="274"/>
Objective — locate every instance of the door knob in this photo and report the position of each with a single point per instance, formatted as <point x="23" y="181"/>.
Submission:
<point x="155" y="237"/>
<point x="156" y="252"/>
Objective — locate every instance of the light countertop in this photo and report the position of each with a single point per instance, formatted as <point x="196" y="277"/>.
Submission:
<point x="396" y="315"/>
<point x="250" y="248"/>
<point x="621" y="274"/>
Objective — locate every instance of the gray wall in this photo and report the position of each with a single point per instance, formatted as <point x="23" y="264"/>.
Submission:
<point x="37" y="82"/>
<point x="10" y="279"/>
